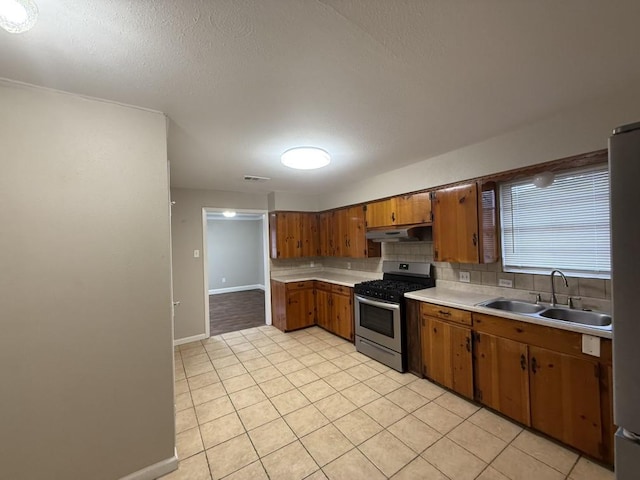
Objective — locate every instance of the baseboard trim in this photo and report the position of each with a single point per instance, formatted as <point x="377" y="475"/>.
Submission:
<point x="195" y="338"/>
<point x="242" y="288"/>
<point x="156" y="470"/>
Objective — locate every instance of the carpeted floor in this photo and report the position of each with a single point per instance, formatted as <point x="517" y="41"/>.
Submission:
<point x="229" y="312"/>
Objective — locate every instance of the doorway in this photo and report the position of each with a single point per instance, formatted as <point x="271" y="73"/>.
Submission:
<point x="236" y="270"/>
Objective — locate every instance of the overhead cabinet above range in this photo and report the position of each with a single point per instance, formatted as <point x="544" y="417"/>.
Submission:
<point x="407" y="209"/>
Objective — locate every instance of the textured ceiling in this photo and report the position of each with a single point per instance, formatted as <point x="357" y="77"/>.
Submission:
<point x="378" y="83"/>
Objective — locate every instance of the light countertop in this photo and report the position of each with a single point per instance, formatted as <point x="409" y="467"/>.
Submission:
<point x="469" y="300"/>
<point x="344" y="279"/>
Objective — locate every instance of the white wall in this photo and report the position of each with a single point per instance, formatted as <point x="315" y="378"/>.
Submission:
<point x="293" y="202"/>
<point x="86" y="357"/>
<point x="186" y="231"/>
<point x="235" y="251"/>
<point x="583" y="129"/>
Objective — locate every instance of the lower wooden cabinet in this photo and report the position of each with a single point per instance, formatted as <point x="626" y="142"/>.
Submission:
<point x="323" y="305"/>
<point x="302" y="304"/>
<point x="334" y="309"/>
<point x="502" y="375"/>
<point x="446" y="355"/>
<point x="292" y="305"/>
<point x="534" y="374"/>
<point x="565" y="399"/>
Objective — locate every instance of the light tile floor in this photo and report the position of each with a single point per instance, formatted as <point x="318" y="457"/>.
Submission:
<point x="262" y="404"/>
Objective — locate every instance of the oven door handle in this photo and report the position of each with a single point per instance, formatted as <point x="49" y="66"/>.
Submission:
<point x="374" y="303"/>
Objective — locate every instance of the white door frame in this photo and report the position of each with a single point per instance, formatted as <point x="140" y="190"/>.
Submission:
<point x="267" y="265"/>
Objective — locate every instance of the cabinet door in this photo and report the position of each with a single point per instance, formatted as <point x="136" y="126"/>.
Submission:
<point x="502" y="376"/>
<point x="342" y="310"/>
<point x="285" y="235"/>
<point x="446" y="354"/>
<point x="380" y="214"/>
<point x="410" y="209"/>
<point x="325" y="234"/>
<point x="300" y="308"/>
<point x="309" y="240"/>
<point x="565" y="398"/>
<point x="279" y="305"/>
<point x="323" y="308"/>
<point x="356" y="241"/>
<point x="341" y="229"/>
<point x="455" y="224"/>
<point x="436" y="351"/>
<point x="414" y="345"/>
<point x="462" y="361"/>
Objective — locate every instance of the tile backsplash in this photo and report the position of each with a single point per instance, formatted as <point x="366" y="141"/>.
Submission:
<point x="594" y="293"/>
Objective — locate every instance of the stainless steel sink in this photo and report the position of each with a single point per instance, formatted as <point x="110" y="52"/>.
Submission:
<point x="583" y="317"/>
<point x="516" y="306"/>
<point x="561" y="314"/>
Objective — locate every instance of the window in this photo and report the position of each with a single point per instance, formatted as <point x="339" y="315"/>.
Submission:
<point x="564" y="226"/>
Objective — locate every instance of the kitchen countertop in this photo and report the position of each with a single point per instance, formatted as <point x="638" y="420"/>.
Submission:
<point x="469" y="300"/>
<point x="346" y="280"/>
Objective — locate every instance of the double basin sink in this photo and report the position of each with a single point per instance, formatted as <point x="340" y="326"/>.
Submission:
<point x="562" y="314"/>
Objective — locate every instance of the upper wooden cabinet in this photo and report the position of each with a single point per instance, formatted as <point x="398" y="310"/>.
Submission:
<point x="349" y="234"/>
<point x="326" y="234"/>
<point x="401" y="210"/>
<point x="464" y="224"/>
<point x="293" y="234"/>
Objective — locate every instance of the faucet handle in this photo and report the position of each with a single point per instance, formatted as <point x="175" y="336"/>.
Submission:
<point x="571" y="301"/>
<point x="538" y="296"/>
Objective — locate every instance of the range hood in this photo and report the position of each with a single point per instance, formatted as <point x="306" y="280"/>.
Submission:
<point x="400" y="234"/>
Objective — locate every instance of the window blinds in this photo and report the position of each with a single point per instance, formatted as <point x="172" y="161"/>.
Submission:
<point x="564" y="226"/>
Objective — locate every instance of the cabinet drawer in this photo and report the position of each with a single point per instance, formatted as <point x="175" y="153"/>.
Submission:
<point x="292" y="286"/>
<point x="446" y="313"/>
<point x="340" y="289"/>
<point x="323" y="286"/>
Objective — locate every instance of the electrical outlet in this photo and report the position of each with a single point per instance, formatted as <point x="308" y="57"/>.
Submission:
<point x="465" y="277"/>
<point x="348" y="265"/>
<point x="505" y="282"/>
<point x="224" y="280"/>
<point x="312" y="264"/>
<point x="196" y="254"/>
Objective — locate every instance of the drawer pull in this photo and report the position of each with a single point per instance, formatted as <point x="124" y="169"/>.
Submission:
<point x="444" y="312"/>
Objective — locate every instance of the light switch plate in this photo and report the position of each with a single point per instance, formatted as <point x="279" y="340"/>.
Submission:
<point x="591" y="345"/>
<point x="196" y="254"/>
<point x="465" y="277"/>
<point x="505" y="282"/>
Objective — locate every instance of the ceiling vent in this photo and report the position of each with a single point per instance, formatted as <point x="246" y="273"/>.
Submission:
<point x="255" y="178"/>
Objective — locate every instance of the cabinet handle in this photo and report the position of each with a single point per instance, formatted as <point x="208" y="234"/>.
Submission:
<point x="534" y="365"/>
<point x="523" y="362"/>
<point x="393" y="216"/>
<point x="468" y="344"/>
<point x="475" y="239"/>
<point x="444" y="312"/>
<point x="435" y="330"/>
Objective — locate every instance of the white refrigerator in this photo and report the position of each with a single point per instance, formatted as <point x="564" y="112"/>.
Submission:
<point x="624" y="174"/>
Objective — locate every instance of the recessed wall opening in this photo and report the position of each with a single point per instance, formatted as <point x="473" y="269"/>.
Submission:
<point x="236" y="270"/>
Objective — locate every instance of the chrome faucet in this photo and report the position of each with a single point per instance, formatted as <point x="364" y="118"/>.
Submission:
<point x="554" y="300"/>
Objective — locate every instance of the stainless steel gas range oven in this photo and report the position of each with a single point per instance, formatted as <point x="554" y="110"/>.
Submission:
<point x="379" y="311"/>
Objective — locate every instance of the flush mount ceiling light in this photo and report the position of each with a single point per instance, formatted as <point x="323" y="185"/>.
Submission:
<point x="305" y="158"/>
<point x="229" y="214"/>
<point x="543" y="179"/>
<point x="17" y="16"/>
